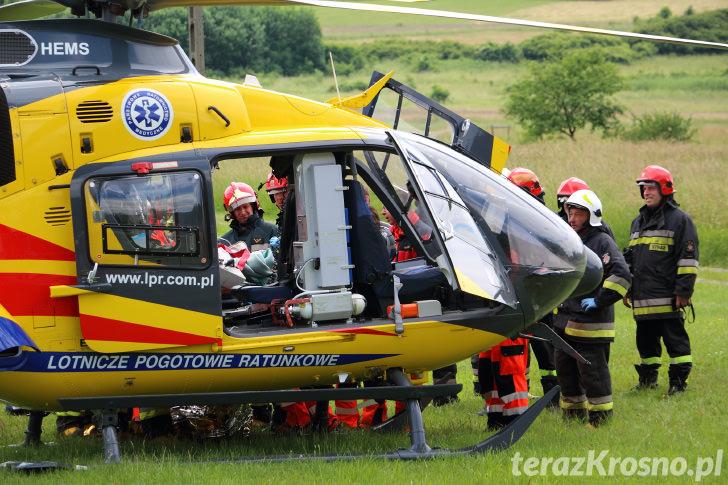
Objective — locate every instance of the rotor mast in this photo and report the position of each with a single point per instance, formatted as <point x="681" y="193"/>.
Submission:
<point x="196" y="31"/>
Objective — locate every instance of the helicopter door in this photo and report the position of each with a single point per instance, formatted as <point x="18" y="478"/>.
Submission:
<point x="475" y="264"/>
<point x="405" y="109"/>
<point x="143" y="258"/>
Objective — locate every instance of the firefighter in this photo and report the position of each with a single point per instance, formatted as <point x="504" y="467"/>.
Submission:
<point x="528" y="181"/>
<point x="277" y="189"/>
<point x="663" y="257"/>
<point x="587" y="322"/>
<point x="403" y="247"/>
<point x="568" y="187"/>
<point x="544" y="351"/>
<point x="503" y="385"/>
<point x="247" y="225"/>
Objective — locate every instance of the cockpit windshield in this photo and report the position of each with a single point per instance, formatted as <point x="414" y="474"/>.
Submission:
<point x="526" y="231"/>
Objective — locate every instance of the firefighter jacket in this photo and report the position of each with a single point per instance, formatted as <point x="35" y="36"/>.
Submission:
<point x="404" y="249"/>
<point x="256" y="233"/>
<point x="663" y="257"/>
<point x="597" y="325"/>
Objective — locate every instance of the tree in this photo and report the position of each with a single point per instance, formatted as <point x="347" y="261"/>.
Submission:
<point x="240" y="40"/>
<point x="565" y="94"/>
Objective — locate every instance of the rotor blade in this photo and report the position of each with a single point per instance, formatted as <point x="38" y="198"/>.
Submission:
<point x="29" y="10"/>
<point x="501" y="20"/>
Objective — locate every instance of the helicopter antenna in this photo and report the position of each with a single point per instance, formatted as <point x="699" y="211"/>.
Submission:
<point x="336" y="82"/>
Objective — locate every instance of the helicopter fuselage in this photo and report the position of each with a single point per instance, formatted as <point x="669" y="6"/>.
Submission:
<point x="102" y="125"/>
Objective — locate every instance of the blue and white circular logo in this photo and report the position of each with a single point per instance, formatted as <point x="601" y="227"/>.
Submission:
<point x="147" y="114"/>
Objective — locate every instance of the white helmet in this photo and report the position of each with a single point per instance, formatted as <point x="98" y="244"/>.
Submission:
<point x="587" y="200"/>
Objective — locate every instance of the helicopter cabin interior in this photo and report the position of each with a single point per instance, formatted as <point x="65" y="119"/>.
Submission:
<point x="333" y="263"/>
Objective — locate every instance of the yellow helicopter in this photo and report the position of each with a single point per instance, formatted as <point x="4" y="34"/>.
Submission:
<point x="105" y="304"/>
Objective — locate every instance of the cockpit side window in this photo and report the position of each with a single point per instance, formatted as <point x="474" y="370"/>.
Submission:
<point x="412" y="217"/>
<point x="153" y="220"/>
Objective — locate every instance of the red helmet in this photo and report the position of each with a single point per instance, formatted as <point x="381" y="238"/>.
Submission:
<point x="654" y="174"/>
<point x="527" y="180"/>
<point x="568" y="187"/>
<point x="238" y="194"/>
<point x="571" y="185"/>
<point x="275" y="185"/>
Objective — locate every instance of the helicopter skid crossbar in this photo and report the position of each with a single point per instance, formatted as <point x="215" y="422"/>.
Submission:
<point x="397" y="392"/>
<point x="418" y="449"/>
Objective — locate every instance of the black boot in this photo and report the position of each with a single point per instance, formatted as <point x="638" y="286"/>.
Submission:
<point x="158" y="426"/>
<point x="261" y="414"/>
<point x="34" y="429"/>
<point x="548" y="383"/>
<point x="320" y="422"/>
<point x="597" y="418"/>
<point x="647" y="376"/>
<point x="579" y="414"/>
<point x="496" y="421"/>
<point x="678" y="374"/>
<point x="278" y="419"/>
<point x="445" y="375"/>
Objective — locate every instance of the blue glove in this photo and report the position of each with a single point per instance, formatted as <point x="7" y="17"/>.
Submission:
<point x="275" y="243"/>
<point x="588" y="304"/>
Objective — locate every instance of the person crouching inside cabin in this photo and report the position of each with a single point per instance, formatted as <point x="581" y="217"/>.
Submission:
<point x="247" y="224"/>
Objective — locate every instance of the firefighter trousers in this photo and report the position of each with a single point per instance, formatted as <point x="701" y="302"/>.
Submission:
<point x="673" y="334"/>
<point x="585" y="386"/>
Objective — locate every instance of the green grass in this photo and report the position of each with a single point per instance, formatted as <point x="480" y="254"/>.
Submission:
<point x="714" y="275"/>
<point x="645" y="425"/>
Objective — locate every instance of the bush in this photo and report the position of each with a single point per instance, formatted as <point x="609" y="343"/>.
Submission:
<point x="347" y="59"/>
<point x="358" y="86"/>
<point x="491" y="51"/>
<point x="708" y="26"/>
<point x="423" y="63"/>
<point x="660" y="126"/>
<point x="555" y="44"/>
<point x="439" y="94"/>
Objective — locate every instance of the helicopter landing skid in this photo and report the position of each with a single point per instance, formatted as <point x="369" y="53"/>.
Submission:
<point x="418" y="448"/>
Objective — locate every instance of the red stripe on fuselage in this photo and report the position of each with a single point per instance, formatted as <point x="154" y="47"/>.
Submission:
<point x="110" y="330"/>
<point x="29" y="294"/>
<point x="15" y="244"/>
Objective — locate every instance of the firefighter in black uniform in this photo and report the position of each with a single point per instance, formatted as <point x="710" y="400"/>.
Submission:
<point x="587" y="323"/>
<point x="663" y="256"/>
